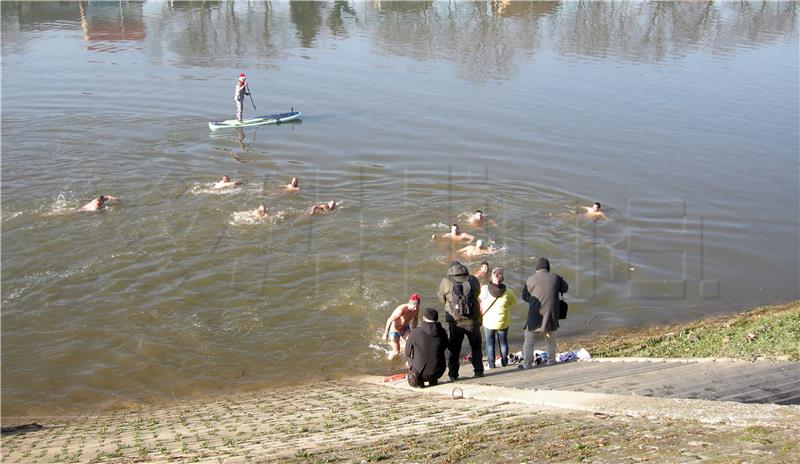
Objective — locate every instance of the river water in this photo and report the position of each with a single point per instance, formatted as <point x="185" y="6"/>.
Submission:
<point x="681" y="119"/>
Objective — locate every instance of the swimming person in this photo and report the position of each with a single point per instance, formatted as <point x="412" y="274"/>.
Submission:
<point x="455" y="234"/>
<point x="478" y="219"/>
<point x="476" y="250"/>
<point x="238" y="96"/>
<point x="483" y="271"/>
<point x="293" y="186"/>
<point x="594" y="212"/>
<point x="401" y="321"/>
<point x="262" y="212"/>
<point x="98" y="203"/>
<point x="225" y="182"/>
<point x="322" y="208"/>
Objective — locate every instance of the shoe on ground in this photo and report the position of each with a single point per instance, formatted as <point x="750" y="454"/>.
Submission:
<point x="523" y="367"/>
<point x="453" y="379"/>
<point x="433" y="383"/>
<point x="478" y="375"/>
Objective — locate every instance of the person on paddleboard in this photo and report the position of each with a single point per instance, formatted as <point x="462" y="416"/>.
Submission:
<point x="238" y="97"/>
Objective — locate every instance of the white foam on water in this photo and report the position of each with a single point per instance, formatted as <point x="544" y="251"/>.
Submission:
<point x="249" y="218"/>
<point x="438" y="226"/>
<point x="61" y="205"/>
<point x="208" y="189"/>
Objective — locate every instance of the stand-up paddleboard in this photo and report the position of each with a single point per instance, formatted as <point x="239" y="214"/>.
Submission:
<point x="257" y="121"/>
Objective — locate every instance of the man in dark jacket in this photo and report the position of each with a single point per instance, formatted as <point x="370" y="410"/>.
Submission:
<point x="425" y="351"/>
<point x="459" y="292"/>
<point x="541" y="292"/>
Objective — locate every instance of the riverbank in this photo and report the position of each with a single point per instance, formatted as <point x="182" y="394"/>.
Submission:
<point x="363" y="420"/>
<point x="768" y="332"/>
<point x="358" y="421"/>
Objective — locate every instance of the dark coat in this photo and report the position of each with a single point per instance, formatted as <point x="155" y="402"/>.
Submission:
<point x="425" y="350"/>
<point x="541" y="292"/>
<point x="460" y="274"/>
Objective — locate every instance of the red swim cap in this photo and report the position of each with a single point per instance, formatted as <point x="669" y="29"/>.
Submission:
<point x="414" y="297"/>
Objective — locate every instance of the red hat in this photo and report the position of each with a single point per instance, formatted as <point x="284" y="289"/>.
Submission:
<point x="414" y="297"/>
<point x="242" y="76"/>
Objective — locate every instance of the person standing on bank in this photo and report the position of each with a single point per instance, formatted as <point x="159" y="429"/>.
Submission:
<point x="495" y="301"/>
<point x="425" y="351"/>
<point x="459" y="292"/>
<point x="541" y="292"/>
<point x="238" y="96"/>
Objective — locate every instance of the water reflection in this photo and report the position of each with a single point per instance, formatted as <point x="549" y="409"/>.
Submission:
<point x="485" y="39"/>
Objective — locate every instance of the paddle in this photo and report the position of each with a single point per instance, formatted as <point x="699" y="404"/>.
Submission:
<point x="250" y="94"/>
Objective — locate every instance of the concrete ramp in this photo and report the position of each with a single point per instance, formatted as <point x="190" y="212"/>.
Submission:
<point x="721" y="380"/>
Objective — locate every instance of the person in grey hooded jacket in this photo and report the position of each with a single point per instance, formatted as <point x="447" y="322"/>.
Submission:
<point x="541" y="292"/>
<point x="459" y="326"/>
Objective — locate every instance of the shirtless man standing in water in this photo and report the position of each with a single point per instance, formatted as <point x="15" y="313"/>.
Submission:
<point x="98" y="203"/>
<point x="399" y="321"/>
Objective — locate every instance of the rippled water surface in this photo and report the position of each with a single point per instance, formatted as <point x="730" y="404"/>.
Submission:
<point x="682" y="119"/>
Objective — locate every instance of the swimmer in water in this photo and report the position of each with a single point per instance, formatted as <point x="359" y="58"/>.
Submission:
<point x="322" y="208"/>
<point x="225" y="182"/>
<point x="594" y="212"/>
<point x="479" y="219"/>
<point x="293" y="186"/>
<point x="262" y="212"/>
<point x="476" y="250"/>
<point x="454" y="234"/>
<point x="483" y="271"/>
<point x="98" y="203"/>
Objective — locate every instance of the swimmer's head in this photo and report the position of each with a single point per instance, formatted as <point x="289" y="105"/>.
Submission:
<point x="101" y="199"/>
<point x="454" y="229"/>
<point x="498" y="276"/>
<point x="332" y="204"/>
<point x="478" y="214"/>
<point x="484" y="266"/>
<point x="596" y="206"/>
<point x="225" y="178"/>
<point x="295" y="182"/>
<point x="479" y="244"/>
<point x="413" y="301"/>
<point x="262" y="208"/>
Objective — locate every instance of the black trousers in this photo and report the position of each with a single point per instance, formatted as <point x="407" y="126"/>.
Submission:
<point x="456" y="336"/>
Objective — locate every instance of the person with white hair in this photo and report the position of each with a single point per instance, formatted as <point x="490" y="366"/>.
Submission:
<point x="476" y="250"/>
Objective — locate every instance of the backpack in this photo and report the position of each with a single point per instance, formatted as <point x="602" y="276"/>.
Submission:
<point x="460" y="301"/>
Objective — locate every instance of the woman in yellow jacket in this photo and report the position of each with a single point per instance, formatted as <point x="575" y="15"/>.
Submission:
<point x="495" y="301"/>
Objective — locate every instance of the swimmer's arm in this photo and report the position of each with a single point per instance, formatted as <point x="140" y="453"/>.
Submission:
<point x="467" y="237"/>
<point x="110" y="198"/>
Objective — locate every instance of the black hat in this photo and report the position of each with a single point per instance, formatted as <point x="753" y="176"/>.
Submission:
<point x="431" y="315"/>
<point x="542" y="263"/>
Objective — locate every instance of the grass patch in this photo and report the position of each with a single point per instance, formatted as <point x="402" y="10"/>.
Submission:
<point x="767" y="332"/>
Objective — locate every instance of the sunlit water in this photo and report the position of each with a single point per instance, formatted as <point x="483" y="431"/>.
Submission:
<point x="682" y="119"/>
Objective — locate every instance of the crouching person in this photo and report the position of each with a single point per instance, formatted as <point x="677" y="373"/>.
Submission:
<point x="425" y="351"/>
